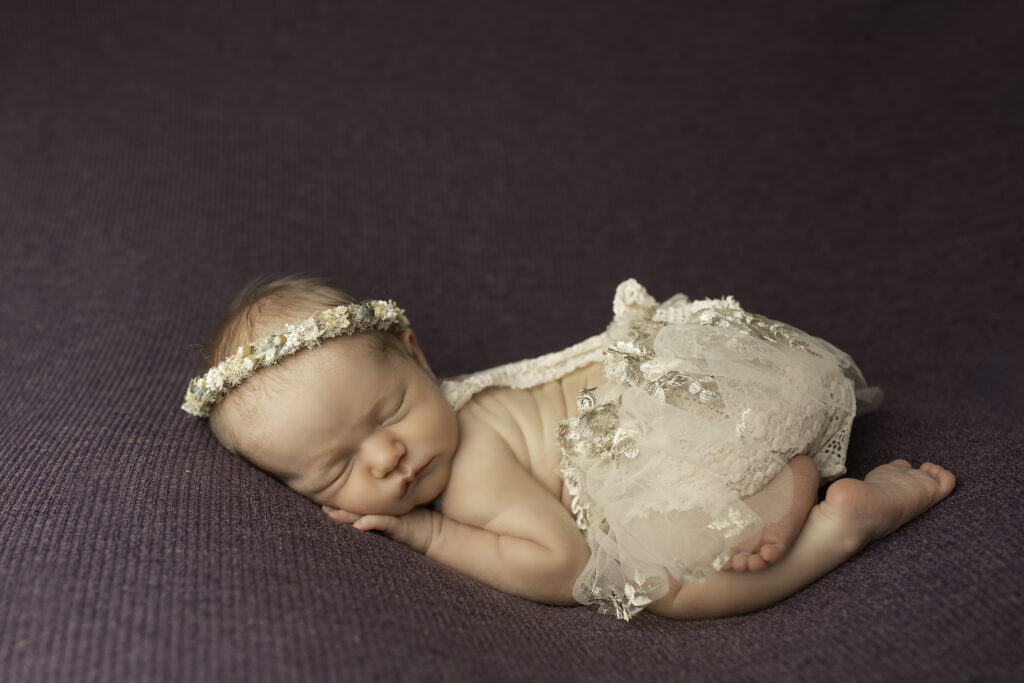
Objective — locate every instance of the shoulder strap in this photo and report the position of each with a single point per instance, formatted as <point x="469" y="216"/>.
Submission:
<point x="631" y="303"/>
<point x="527" y="373"/>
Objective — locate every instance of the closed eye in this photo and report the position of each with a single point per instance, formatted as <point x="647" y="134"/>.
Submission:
<point x="396" y="414"/>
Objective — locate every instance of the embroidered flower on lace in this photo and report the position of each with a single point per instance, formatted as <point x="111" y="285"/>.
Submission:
<point x="589" y="592"/>
<point x="579" y="502"/>
<point x="206" y="391"/>
<point x="591" y="437"/>
<point x="688" y="574"/>
<point x="720" y="560"/>
<point x="586" y="401"/>
<point x="624" y="604"/>
<point x="631" y="363"/>
<point x="629" y="603"/>
<point x="753" y="324"/>
<point x="733" y="522"/>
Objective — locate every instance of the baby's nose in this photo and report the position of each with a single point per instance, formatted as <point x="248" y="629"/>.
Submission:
<point x="383" y="453"/>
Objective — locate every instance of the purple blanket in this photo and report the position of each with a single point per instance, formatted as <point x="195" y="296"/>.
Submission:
<point x="851" y="168"/>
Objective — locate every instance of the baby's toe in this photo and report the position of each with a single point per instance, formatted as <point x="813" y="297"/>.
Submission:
<point x="739" y="562"/>
<point x="945" y="479"/>
<point x="770" y="552"/>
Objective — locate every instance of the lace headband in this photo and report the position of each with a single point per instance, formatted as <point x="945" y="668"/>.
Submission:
<point x="206" y="391"/>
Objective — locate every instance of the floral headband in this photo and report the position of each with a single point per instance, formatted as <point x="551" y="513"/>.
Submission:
<point x="206" y="391"/>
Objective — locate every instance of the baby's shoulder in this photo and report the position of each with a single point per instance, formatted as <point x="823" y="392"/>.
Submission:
<point x="487" y="477"/>
<point x="492" y="429"/>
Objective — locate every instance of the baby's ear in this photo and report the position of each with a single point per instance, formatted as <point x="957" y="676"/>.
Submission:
<point x="340" y="516"/>
<point x="408" y="341"/>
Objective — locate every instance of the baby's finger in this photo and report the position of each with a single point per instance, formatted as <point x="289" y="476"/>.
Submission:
<point x="384" y="523"/>
<point x="338" y="515"/>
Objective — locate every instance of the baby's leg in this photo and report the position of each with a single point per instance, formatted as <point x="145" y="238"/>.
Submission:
<point x="853" y="514"/>
<point x="777" y="536"/>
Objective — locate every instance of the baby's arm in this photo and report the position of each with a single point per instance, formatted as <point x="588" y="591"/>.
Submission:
<point x="529" y="557"/>
<point x="500" y="526"/>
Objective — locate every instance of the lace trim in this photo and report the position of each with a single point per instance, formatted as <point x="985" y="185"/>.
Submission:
<point x="526" y="373"/>
<point x="632" y="303"/>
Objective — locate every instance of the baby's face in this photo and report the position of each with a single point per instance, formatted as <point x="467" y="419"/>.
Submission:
<point x="360" y="429"/>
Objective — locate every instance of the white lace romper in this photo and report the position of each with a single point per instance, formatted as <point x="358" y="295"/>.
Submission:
<point x="705" y="405"/>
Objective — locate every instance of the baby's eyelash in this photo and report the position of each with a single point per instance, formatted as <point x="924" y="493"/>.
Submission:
<point x="394" y="414"/>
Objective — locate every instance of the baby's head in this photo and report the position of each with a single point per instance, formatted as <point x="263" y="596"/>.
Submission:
<point x="358" y="422"/>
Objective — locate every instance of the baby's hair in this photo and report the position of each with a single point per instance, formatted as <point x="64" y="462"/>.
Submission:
<point x="264" y="306"/>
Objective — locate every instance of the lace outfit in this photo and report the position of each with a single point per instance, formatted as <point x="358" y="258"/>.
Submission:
<point x="705" y="404"/>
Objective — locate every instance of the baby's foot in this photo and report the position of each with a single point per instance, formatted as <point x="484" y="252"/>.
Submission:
<point x="777" y="536"/>
<point x="890" y="496"/>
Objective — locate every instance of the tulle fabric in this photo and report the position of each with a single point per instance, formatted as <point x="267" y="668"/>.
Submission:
<point x="679" y="503"/>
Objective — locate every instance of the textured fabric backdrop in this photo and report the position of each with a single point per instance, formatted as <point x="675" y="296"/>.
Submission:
<point x="853" y="168"/>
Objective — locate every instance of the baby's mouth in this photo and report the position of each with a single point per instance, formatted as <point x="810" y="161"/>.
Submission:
<point x="423" y="470"/>
<point x="410" y="478"/>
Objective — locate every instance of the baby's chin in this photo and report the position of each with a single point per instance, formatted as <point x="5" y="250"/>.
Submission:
<point x="407" y="506"/>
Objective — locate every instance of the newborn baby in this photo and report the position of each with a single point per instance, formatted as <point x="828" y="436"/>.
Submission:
<point x="355" y="420"/>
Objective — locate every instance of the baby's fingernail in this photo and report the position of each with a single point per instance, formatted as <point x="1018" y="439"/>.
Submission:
<point x="359" y="523"/>
<point x="327" y="508"/>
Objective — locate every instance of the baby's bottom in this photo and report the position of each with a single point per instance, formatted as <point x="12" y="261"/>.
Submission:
<point x="853" y="514"/>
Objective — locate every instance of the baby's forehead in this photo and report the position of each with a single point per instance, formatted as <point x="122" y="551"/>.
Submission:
<point x="304" y="391"/>
<point x="267" y="383"/>
<point x="341" y="353"/>
<point x="347" y="357"/>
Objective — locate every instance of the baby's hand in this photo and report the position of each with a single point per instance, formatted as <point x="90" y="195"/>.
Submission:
<point x="340" y="516"/>
<point x="415" y="528"/>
